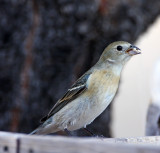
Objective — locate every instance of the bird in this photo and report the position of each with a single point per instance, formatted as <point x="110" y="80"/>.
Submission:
<point x="90" y="95"/>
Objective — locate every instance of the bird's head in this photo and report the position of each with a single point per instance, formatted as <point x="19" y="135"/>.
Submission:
<point x="119" y="52"/>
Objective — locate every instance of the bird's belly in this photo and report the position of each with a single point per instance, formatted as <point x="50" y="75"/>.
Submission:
<point x="93" y="101"/>
<point x="88" y="109"/>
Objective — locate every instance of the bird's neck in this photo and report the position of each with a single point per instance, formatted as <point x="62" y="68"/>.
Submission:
<point x="115" y="67"/>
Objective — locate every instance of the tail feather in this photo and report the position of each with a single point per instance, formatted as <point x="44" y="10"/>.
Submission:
<point x="46" y="128"/>
<point x="39" y="131"/>
<point x="42" y="130"/>
<point x="33" y="132"/>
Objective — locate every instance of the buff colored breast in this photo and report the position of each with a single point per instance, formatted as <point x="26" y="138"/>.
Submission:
<point x="90" y="107"/>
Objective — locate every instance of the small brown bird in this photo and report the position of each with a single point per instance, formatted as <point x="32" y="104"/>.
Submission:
<point x="90" y="95"/>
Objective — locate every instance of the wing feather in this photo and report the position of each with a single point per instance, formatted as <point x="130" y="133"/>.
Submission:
<point x="77" y="88"/>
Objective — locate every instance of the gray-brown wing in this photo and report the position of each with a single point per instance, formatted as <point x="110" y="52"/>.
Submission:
<point x="77" y="88"/>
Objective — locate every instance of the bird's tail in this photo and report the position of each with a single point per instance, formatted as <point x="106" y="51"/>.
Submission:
<point x="39" y="131"/>
<point x="36" y="131"/>
<point x="33" y="132"/>
<point x="43" y="129"/>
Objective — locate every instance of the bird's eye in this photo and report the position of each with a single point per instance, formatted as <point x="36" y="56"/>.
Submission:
<point x="119" y="48"/>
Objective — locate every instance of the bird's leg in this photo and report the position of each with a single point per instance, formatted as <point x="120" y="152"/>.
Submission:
<point x="92" y="134"/>
<point x="89" y="132"/>
<point x="67" y="132"/>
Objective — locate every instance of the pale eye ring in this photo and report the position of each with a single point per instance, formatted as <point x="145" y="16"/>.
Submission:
<point x="119" y="48"/>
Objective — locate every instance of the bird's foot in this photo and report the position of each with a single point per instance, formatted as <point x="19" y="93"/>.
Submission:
<point x="89" y="132"/>
<point x="99" y="137"/>
<point x="92" y="134"/>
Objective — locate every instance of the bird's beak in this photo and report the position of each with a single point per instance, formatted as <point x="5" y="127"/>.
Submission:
<point x="133" y="50"/>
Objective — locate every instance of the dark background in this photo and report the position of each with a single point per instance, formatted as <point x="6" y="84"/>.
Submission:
<point x="45" y="45"/>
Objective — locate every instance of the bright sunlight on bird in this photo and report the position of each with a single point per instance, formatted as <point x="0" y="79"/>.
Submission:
<point x="90" y="95"/>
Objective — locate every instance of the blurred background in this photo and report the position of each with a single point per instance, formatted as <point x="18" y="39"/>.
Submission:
<point x="46" y="45"/>
<point x="137" y="82"/>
